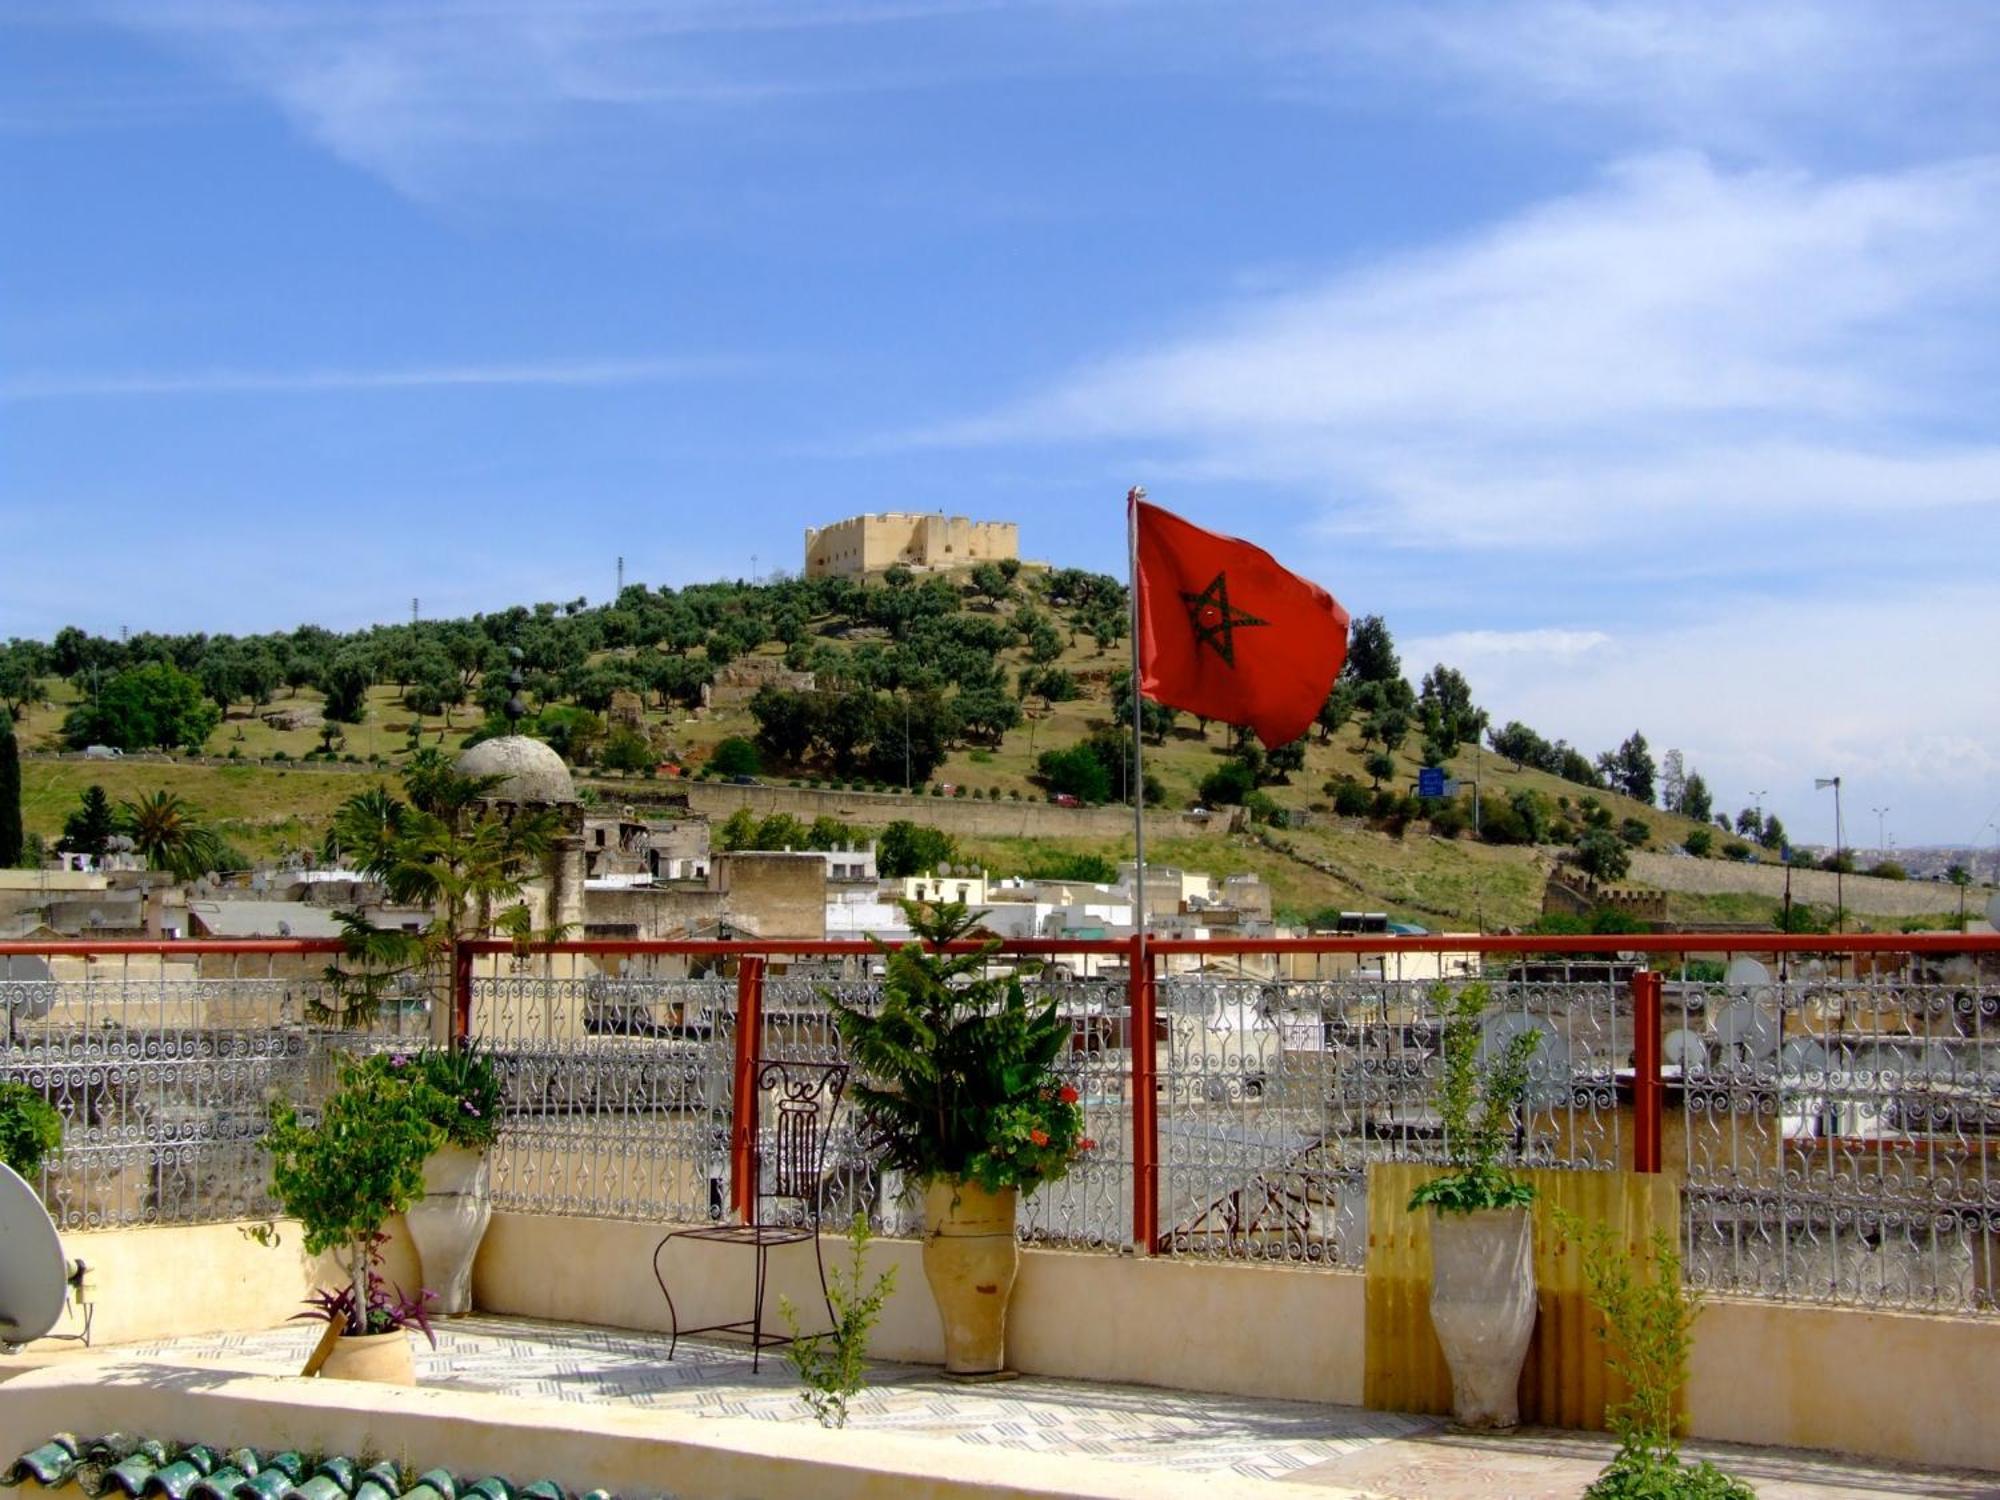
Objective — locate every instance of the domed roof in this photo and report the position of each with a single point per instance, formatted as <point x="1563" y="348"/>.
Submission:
<point x="534" y="773"/>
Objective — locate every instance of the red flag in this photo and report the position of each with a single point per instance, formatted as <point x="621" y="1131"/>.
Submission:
<point x="1227" y="634"/>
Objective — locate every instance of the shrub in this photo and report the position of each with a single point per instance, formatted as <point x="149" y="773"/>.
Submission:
<point x="1477" y="1104"/>
<point x="1351" y="799"/>
<point x="30" y="1129"/>
<point x="1227" y="785"/>
<point x="1635" y="832"/>
<point x="281" y="754"/>
<point x="1740" y="852"/>
<point x="736" y="756"/>
<point x="1262" y="807"/>
<point x="831" y="1365"/>
<point x="1601" y="855"/>
<point x="1888" y="869"/>
<point x="1447" y="819"/>
<point x="1699" y="842"/>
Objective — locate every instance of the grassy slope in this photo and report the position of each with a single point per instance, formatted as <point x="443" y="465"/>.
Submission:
<point x="267" y="810"/>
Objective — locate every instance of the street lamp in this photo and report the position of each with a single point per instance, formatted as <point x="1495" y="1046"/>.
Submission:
<point x="1881" y="840"/>
<point x="1758" y="799"/>
<point x="1820" y="784"/>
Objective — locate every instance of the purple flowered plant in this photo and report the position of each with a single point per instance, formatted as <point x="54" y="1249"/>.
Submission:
<point x="389" y="1307"/>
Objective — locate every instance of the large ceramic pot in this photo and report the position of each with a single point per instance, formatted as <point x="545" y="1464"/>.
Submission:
<point x="1483" y="1308"/>
<point x="381" y="1357"/>
<point x="448" y="1222"/>
<point x="971" y="1259"/>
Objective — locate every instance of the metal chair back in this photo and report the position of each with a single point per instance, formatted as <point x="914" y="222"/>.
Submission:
<point x="806" y="1096"/>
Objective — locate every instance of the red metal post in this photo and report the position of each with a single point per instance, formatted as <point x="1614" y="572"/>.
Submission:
<point x="743" y="1087"/>
<point x="461" y="995"/>
<point x="1647" y="1091"/>
<point x="1142" y="998"/>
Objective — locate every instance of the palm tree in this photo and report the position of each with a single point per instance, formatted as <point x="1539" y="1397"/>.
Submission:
<point x="168" y="833"/>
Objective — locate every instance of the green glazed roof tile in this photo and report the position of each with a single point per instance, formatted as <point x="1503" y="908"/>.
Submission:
<point x="441" y="1481"/>
<point x="175" y="1480"/>
<point x="287" y="1462"/>
<point x="342" y="1471"/>
<point x="490" y="1488"/>
<point x="384" y="1474"/>
<point x="51" y="1464"/>
<point x="542" y="1489"/>
<point x="221" y="1485"/>
<point x="113" y="1447"/>
<point x="268" y="1483"/>
<point x="319" y="1487"/>
<point x="131" y="1475"/>
<point x="243" y="1460"/>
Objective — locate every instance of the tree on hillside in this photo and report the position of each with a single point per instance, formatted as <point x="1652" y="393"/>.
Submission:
<point x="1629" y="768"/>
<point x="11" y="836"/>
<point x="1695" y="800"/>
<point x="1075" y="772"/>
<point x="22" y="664"/>
<point x="906" y="849"/>
<point x="1600" y="854"/>
<point x="1371" y="652"/>
<point x="150" y="707"/>
<point x="1520" y="745"/>
<point x="1446" y="711"/>
<point x="1772" y="834"/>
<point x="169" y="834"/>
<point x="990" y="583"/>
<point x="88" y="830"/>
<point x="1673" y="781"/>
<point x="1333" y="713"/>
<point x="344" y="684"/>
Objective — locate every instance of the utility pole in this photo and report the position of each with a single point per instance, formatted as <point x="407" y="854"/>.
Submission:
<point x="621" y="577"/>
<point x="1820" y="784"/>
<point x="413" y="609"/>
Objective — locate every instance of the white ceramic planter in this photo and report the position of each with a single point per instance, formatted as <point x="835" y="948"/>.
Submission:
<point x="1483" y="1308"/>
<point x="447" y="1223"/>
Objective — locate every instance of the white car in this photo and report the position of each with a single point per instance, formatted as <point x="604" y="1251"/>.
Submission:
<point x="101" y="752"/>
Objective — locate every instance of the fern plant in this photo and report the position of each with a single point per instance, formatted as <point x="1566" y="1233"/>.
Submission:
<point x="831" y="1365"/>
<point x="957" y="1070"/>
<point x="1478" y="1104"/>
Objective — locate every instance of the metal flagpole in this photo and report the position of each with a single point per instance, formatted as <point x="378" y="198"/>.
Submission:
<point x="1132" y="499"/>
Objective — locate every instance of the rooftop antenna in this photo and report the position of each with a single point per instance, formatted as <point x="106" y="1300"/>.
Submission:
<point x="621" y="577"/>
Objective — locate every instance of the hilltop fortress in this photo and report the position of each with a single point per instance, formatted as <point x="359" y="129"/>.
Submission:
<point x="861" y="545"/>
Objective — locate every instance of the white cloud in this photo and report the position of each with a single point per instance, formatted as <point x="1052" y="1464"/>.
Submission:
<point x="1771" y="695"/>
<point x="1679" y="341"/>
<point x="580" y="372"/>
<point x="1461" y="647"/>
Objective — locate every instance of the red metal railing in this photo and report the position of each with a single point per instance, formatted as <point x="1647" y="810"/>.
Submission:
<point x="1142" y="1017"/>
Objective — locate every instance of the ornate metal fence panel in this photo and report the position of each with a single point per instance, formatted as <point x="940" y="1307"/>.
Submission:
<point x="163" y="1073"/>
<point x="1276" y="1093"/>
<point x="617" y="1084"/>
<point x="1841" y="1138"/>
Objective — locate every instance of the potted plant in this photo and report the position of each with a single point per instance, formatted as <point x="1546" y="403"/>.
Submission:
<point x="957" y="1089"/>
<point x="1482" y="1239"/>
<point x="342" y="1176"/>
<point x="30" y="1129"/>
<point x="459" y="1093"/>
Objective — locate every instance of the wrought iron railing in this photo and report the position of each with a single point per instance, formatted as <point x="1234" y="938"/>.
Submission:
<point x="1830" y="1106"/>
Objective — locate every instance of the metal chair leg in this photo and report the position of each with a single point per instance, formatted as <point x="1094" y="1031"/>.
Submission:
<point x="673" y="1317"/>
<point x="757" y="1312"/>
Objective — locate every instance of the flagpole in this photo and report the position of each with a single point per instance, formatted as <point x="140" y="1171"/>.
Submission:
<point x="1132" y="499"/>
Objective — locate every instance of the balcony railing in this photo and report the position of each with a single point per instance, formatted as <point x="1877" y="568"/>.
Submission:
<point x="1831" y="1106"/>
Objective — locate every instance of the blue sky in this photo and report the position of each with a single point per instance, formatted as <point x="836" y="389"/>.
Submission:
<point x="1638" y="359"/>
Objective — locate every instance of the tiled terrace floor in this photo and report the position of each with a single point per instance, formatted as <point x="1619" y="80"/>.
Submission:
<point x="1377" y="1454"/>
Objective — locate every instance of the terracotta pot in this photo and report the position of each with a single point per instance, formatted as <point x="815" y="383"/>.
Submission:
<point x="448" y="1222"/>
<point x="971" y="1259"/>
<point x="1483" y="1308"/>
<point x="381" y="1357"/>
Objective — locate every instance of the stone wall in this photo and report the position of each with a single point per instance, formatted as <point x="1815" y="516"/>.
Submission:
<point x="956" y="815"/>
<point x="861" y="545"/>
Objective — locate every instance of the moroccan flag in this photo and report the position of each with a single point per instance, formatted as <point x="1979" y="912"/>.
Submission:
<point x="1227" y="634"/>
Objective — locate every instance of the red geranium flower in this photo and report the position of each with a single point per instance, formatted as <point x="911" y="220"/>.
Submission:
<point x="1039" y="1137"/>
<point x="1068" y="1095"/>
<point x="1086" y="1144"/>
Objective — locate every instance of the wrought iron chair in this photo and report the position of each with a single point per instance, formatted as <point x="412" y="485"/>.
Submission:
<point x="807" y="1095"/>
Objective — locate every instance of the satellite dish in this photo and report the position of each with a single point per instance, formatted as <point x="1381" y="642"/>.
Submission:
<point x="1685" y="1050"/>
<point x="1747" y="1029"/>
<point x="260" y="882"/>
<point x="1745" y="974"/>
<point x="1548" y="1065"/>
<point x="31" y="1263"/>
<point x="30" y="988"/>
<point x="1993" y="912"/>
<point x="1804" y="1058"/>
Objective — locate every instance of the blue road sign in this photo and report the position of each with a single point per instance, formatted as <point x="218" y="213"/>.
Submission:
<point x="1430" y="781"/>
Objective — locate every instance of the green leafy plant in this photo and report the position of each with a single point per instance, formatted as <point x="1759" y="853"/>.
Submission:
<point x="1478" y="1103"/>
<point x="30" y="1129"/>
<point x="343" y="1174"/>
<point x="457" y="1089"/>
<point x="957" y="1069"/>
<point x="1648" y="1326"/>
<point x="831" y="1365"/>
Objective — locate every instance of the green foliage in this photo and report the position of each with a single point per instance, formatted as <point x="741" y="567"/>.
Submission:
<point x="1740" y="852"/>
<point x="627" y="750"/>
<point x="1648" y="1328"/>
<point x="1699" y="842"/>
<point x="344" y="1174"/>
<point x="907" y="848"/>
<point x="1076" y="772"/>
<point x="11" y="836"/>
<point x="1227" y="785"/>
<point x="1054" y="864"/>
<point x="1601" y="855"/>
<point x="736" y="756"/>
<point x="1478" y="1103"/>
<point x="1635" y="833"/>
<point x="30" y="1129"/>
<point x="154" y="706"/>
<point x="1887" y="869"/>
<point x="458" y="1088"/>
<point x="957" y="1068"/>
<point x="88" y="830"/>
<point x="1802" y="919"/>
<point x="171" y="837"/>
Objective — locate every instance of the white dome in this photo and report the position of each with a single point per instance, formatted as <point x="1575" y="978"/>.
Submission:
<point x="534" y="773"/>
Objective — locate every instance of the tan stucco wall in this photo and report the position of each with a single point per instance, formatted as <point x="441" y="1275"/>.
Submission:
<point x="1891" y="1385"/>
<point x="861" y="545"/>
<point x="1248" y="1330"/>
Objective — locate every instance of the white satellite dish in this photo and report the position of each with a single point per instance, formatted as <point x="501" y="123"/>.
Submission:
<point x="31" y="1263"/>
<point x="1745" y="974"/>
<point x="1803" y="1059"/>
<point x="1685" y="1050"/>
<point x="1548" y="1065"/>
<point x="1747" y="1029"/>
